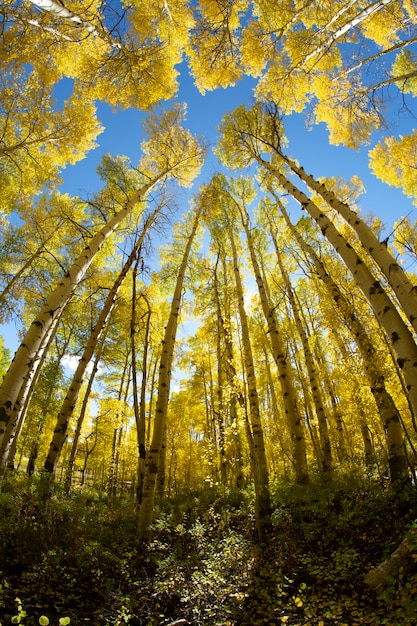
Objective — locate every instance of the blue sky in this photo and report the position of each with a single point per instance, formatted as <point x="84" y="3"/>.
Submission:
<point x="122" y="135"/>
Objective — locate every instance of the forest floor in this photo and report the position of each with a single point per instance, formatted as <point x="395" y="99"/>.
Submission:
<point x="81" y="558"/>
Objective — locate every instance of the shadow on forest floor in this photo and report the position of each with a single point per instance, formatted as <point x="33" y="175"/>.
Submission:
<point x="82" y="559"/>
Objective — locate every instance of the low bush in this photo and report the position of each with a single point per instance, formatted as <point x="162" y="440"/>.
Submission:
<point x="79" y="558"/>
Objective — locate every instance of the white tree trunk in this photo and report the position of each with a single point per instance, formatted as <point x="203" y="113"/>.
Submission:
<point x="153" y="459"/>
<point x="396" y="330"/>
<point x="26" y="354"/>
<point x="403" y="288"/>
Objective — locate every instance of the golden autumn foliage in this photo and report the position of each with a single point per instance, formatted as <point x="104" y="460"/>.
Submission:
<point x="394" y="161"/>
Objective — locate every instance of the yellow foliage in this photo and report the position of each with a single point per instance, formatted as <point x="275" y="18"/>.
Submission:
<point x="172" y="149"/>
<point x="394" y="162"/>
<point x="214" y="52"/>
<point x="255" y="48"/>
<point x="404" y="67"/>
<point x="348" y="117"/>
<point x="280" y="84"/>
<point x="383" y="26"/>
<point x="274" y="16"/>
<point x="213" y="64"/>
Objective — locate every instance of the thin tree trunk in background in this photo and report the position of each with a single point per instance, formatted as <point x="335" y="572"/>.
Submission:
<point x="140" y="410"/>
<point x="27" y="353"/>
<point x="288" y="392"/>
<point x="68" y="406"/>
<point x="261" y="477"/>
<point x="153" y="460"/>
<point x="83" y="410"/>
<point x="234" y="382"/>
<point x="313" y="374"/>
<point x="389" y="414"/>
<point x="220" y="378"/>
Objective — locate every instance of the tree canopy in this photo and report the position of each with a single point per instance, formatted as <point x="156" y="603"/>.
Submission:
<point x="232" y="325"/>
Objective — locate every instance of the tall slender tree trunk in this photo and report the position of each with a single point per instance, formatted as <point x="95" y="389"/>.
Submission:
<point x="139" y="400"/>
<point x="83" y="410"/>
<point x="17" y="415"/>
<point x="68" y="406"/>
<point x="313" y="374"/>
<point x="261" y="477"/>
<point x="24" y="359"/>
<point x="220" y="379"/>
<point x="384" y="309"/>
<point x="398" y="280"/>
<point x="154" y="455"/>
<point x="389" y="414"/>
<point x="278" y="350"/>
<point x="232" y="378"/>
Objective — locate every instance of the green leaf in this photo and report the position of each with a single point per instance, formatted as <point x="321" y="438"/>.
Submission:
<point x="64" y="621"/>
<point x="43" y="620"/>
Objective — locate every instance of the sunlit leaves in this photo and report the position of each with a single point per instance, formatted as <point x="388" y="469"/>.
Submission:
<point x="394" y="161"/>
<point x="214" y="52"/>
<point x="171" y="148"/>
<point x="37" y="138"/>
<point x="248" y="133"/>
<point x="405" y="68"/>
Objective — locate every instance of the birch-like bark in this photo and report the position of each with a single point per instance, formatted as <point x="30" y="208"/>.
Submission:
<point x="389" y="414"/>
<point x="360" y="17"/>
<point x="168" y="344"/>
<point x="58" y="9"/>
<point x="313" y="374"/>
<point x="123" y="391"/>
<point x="398" y="280"/>
<point x="237" y="396"/>
<point x="25" y="357"/>
<point x="83" y="410"/>
<point x="278" y="350"/>
<point x="140" y="402"/>
<point x="277" y="416"/>
<point x="220" y="379"/>
<point x="20" y="409"/>
<point x="400" y="336"/>
<point x="68" y="406"/>
<point x="261" y="478"/>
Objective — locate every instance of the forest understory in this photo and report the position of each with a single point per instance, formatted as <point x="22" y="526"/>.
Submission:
<point x="78" y="560"/>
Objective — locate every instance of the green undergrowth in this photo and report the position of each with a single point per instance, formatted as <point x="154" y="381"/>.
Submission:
<point x="81" y="560"/>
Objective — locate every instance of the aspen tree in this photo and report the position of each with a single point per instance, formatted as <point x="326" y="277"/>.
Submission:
<point x="139" y="399"/>
<point x="245" y="135"/>
<point x="402" y="286"/>
<point x="169" y="152"/>
<point x="214" y="49"/>
<point x="221" y="203"/>
<point x="60" y="432"/>
<point x="20" y="408"/>
<point x="261" y="477"/>
<point x="326" y="451"/>
<point x="83" y="411"/>
<point x="220" y="377"/>
<point x="153" y="460"/>
<point x="393" y="161"/>
<point x="289" y="397"/>
<point x="388" y="411"/>
<point x="297" y="53"/>
<point x="234" y="385"/>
